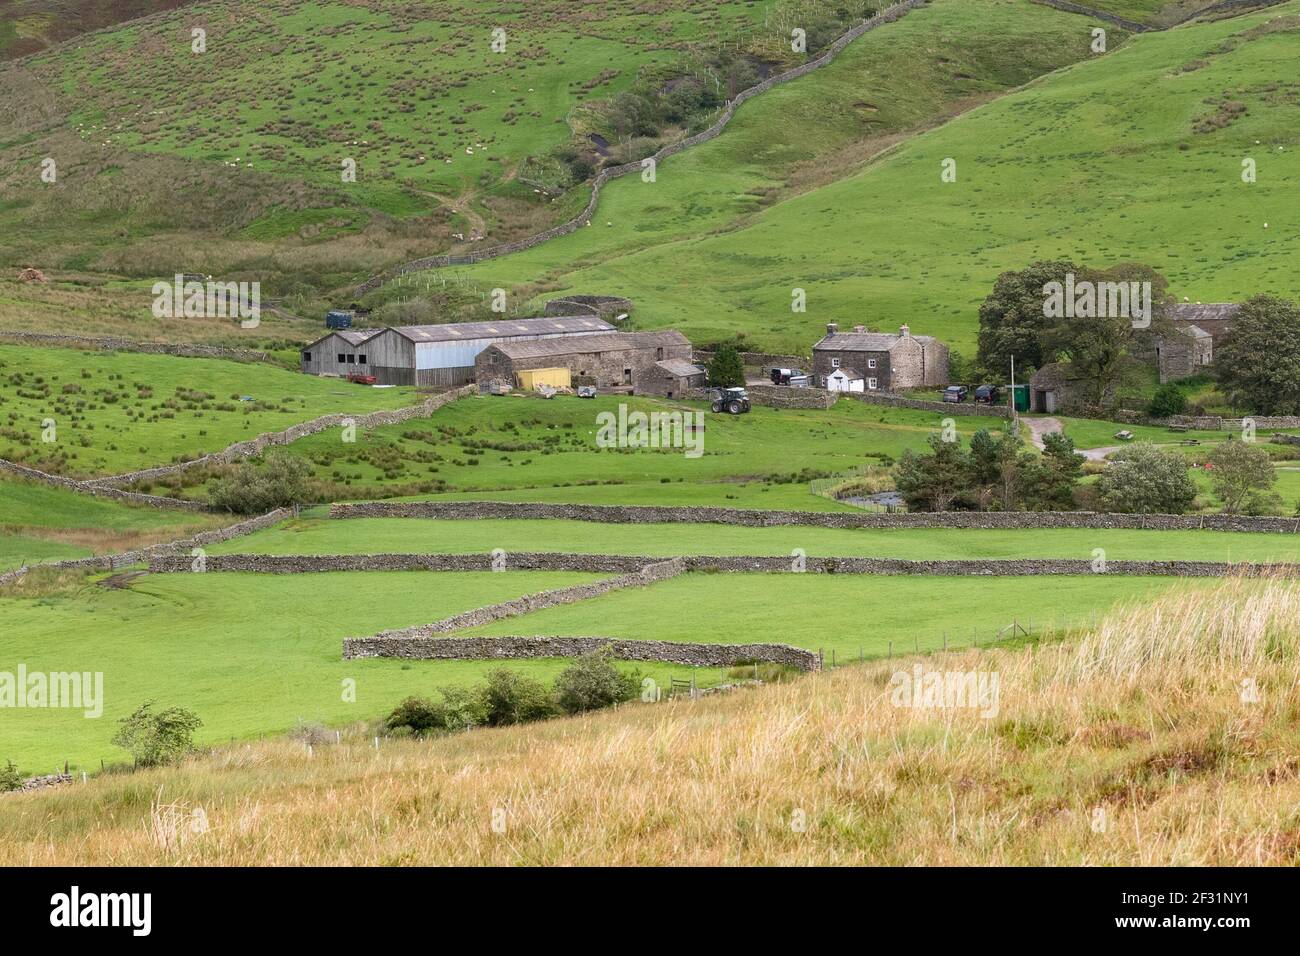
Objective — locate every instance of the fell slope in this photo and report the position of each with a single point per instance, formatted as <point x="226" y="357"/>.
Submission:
<point x="1135" y="155"/>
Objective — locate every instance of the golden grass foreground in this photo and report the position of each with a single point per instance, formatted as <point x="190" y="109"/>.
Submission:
<point x="1168" y="735"/>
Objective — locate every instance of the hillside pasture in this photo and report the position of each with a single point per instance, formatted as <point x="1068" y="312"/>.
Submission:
<point x="122" y="411"/>
<point x="1052" y="170"/>
<point x="317" y="535"/>
<point x="250" y="654"/>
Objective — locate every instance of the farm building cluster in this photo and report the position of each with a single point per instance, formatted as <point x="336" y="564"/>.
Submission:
<point x="558" y="351"/>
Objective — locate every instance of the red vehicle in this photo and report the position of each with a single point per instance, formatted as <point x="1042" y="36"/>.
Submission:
<point x="362" y="379"/>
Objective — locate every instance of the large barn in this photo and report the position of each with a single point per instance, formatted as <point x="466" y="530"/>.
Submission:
<point x="616" y="359"/>
<point x="438" y="355"/>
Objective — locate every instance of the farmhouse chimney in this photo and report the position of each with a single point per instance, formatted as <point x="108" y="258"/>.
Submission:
<point x="904" y="331"/>
<point x="832" y="328"/>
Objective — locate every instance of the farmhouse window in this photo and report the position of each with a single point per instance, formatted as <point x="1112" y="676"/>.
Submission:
<point x="361" y="360"/>
<point x="823" y="381"/>
<point x="835" y="363"/>
<point x="342" y="358"/>
<point x="871" y="383"/>
<point x="352" y="359"/>
<point x="871" y="363"/>
<point x="306" y="356"/>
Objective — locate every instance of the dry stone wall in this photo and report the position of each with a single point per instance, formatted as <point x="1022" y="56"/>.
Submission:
<point x="656" y="514"/>
<point x="942" y="408"/>
<point x="111" y="562"/>
<point x="255" y="446"/>
<point x="765" y="564"/>
<point x="514" y="648"/>
<point x="613" y="172"/>
<point x="127" y="345"/>
<point x="658" y="571"/>
<point x="91" y="488"/>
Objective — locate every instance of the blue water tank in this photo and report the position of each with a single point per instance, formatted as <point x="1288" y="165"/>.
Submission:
<point x="338" y="319"/>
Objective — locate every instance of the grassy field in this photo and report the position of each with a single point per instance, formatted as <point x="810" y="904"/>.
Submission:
<point x="849" y="614"/>
<point x="190" y="640"/>
<point x="491" y="443"/>
<point x="40" y="522"/>
<point x="1175" y="765"/>
<point x="1051" y="170"/>
<point x="314" y="535"/>
<point x="115" y="412"/>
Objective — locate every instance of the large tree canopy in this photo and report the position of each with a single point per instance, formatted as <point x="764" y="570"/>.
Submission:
<point x="1259" y="360"/>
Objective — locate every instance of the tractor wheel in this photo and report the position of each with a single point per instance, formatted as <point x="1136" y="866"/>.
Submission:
<point x="733" y="407"/>
<point x="716" y="406"/>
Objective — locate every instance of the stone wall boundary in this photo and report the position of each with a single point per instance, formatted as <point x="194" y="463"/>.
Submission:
<point x="515" y="648"/>
<point x="612" y="172"/>
<point x="732" y="564"/>
<point x="109" y="344"/>
<point x="649" y="574"/>
<point x="108" y="486"/>
<point x="156" y="552"/>
<point x="663" y="514"/>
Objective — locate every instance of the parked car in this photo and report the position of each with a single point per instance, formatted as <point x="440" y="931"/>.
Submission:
<point x="362" y="379"/>
<point x="586" y="391"/>
<point x="733" y="401"/>
<point x="796" y="377"/>
<point x="988" y="394"/>
<point x="954" y="393"/>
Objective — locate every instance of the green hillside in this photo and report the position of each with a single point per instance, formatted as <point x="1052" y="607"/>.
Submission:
<point x="1136" y="155"/>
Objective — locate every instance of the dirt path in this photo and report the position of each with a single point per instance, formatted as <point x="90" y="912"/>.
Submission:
<point x="1038" y="427"/>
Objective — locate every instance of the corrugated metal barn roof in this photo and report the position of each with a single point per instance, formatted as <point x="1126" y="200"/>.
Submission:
<point x="506" y="328"/>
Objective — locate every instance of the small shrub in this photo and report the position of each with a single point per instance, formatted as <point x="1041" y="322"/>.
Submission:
<point x="10" y="778"/>
<point x="156" y="738"/>
<point x="592" y="682"/>
<point x="511" y="698"/>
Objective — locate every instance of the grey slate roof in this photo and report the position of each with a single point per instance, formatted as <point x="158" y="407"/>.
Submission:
<point x="505" y="328"/>
<point x="351" y="336"/>
<point x="680" y="367"/>
<point x="1197" y="312"/>
<point x="865" y="341"/>
<point x="579" y="344"/>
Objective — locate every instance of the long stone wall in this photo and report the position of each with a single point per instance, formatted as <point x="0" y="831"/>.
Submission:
<point x="157" y="552"/>
<point x="764" y="564"/>
<point x="128" y="345"/>
<point x="91" y="488"/>
<point x="941" y="408"/>
<point x="656" y="514"/>
<point x="1067" y="7"/>
<point x="613" y="172"/>
<point x="658" y="571"/>
<point x="255" y="446"/>
<point x="514" y="648"/>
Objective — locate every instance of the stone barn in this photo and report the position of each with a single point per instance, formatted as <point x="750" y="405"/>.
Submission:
<point x="883" y="360"/>
<point x="671" y="378"/>
<point x="617" y="359"/>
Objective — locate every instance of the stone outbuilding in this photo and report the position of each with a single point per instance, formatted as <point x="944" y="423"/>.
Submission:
<point x="1056" y="387"/>
<point x="612" y="360"/>
<point x="670" y="378"/>
<point x="885" y="361"/>
<point x="1199" y="328"/>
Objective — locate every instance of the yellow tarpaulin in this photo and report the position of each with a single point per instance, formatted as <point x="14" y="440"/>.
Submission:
<point x="531" y="378"/>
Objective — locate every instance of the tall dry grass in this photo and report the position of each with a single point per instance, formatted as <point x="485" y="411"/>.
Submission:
<point x="1132" y="745"/>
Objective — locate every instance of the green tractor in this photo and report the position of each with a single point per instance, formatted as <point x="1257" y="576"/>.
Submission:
<point x="733" y="401"/>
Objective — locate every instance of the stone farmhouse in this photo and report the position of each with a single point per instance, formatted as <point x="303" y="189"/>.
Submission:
<point x="433" y="355"/>
<point x="1198" y="330"/>
<point x="618" y="359"/>
<point x="883" y="361"/>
